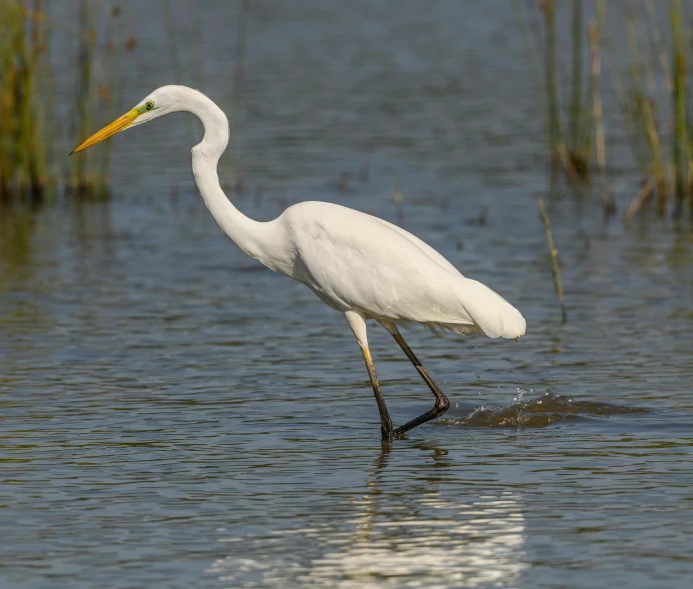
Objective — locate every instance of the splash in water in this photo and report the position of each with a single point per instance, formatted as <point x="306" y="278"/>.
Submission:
<point x="547" y="409"/>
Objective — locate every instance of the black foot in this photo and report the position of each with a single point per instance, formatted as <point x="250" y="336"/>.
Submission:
<point x="440" y="408"/>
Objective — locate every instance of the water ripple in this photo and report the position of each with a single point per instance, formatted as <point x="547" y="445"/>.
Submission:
<point x="548" y="409"/>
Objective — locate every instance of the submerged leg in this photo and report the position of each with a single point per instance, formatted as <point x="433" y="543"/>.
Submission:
<point x="442" y="402"/>
<point x="357" y="322"/>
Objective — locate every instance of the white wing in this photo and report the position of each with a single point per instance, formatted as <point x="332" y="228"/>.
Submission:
<point x="356" y="261"/>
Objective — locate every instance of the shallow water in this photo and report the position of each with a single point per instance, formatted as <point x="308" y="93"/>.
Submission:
<point x="173" y="415"/>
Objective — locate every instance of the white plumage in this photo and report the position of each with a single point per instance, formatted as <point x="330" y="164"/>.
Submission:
<point x="358" y="264"/>
<point x="355" y="261"/>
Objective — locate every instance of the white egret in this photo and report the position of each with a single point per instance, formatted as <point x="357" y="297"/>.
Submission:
<point x="358" y="264"/>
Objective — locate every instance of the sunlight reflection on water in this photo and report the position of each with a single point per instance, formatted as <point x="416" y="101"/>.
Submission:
<point x="472" y="545"/>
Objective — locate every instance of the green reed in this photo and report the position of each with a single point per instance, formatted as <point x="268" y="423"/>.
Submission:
<point x="89" y="173"/>
<point x="579" y="148"/>
<point x="33" y="140"/>
<point x="554" y="121"/>
<point x="570" y="149"/>
<point x="658" y="114"/>
<point x="555" y="266"/>
<point x="23" y="173"/>
<point x="654" y="112"/>
<point x="598" y="111"/>
<point x="680" y="152"/>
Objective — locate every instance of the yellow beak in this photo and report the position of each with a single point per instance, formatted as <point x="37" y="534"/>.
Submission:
<point x="116" y="126"/>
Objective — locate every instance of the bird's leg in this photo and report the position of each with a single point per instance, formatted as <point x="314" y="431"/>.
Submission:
<point x="357" y="322"/>
<point x="385" y="421"/>
<point x="442" y="402"/>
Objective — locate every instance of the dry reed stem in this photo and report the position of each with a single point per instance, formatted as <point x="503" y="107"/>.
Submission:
<point x="645" y="104"/>
<point x="567" y="162"/>
<point x="554" y="260"/>
<point x="598" y="114"/>
<point x="653" y="161"/>
<point x="643" y="195"/>
<point x="657" y="162"/>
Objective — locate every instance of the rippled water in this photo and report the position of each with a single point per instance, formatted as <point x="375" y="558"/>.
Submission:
<point x="173" y="415"/>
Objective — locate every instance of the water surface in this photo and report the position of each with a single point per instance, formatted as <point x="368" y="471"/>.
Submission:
<point x="173" y="415"/>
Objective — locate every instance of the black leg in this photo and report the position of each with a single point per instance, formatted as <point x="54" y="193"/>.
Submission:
<point x="442" y="402"/>
<point x="385" y="421"/>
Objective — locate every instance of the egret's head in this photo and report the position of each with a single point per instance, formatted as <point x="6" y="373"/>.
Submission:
<point x="158" y="103"/>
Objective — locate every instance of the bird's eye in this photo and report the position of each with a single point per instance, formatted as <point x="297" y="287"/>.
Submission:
<point x="149" y="105"/>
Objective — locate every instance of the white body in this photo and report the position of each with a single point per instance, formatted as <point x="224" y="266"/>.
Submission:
<point x="351" y="260"/>
<point x="356" y="263"/>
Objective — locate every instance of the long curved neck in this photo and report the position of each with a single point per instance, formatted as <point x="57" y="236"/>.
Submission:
<point x="261" y="241"/>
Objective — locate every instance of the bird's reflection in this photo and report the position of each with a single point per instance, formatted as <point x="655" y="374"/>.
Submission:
<point x="409" y="529"/>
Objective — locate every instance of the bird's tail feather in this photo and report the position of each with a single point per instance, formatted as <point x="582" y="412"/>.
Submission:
<point x="493" y="315"/>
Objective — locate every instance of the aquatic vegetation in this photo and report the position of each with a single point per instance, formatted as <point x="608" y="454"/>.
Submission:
<point x="590" y="62"/>
<point x="648" y="86"/>
<point x="23" y="155"/>
<point x="558" y="284"/>
<point x="569" y="149"/>
<point x="29" y="127"/>
<point x="646" y="96"/>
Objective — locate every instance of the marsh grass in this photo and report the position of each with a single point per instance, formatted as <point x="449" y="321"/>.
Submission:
<point x="23" y="155"/>
<point x="654" y="105"/>
<point x="31" y="169"/>
<point x="649" y="84"/>
<point x="569" y="134"/>
<point x="555" y="266"/>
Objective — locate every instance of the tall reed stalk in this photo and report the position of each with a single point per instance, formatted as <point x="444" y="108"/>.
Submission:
<point x="29" y="130"/>
<point x="598" y="115"/>
<point x="572" y="149"/>
<point x="23" y="173"/>
<point x="554" y="121"/>
<point x="555" y="266"/>
<point x="655" y="115"/>
<point x="671" y="175"/>
<point x="579" y="127"/>
<point x="680" y="139"/>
